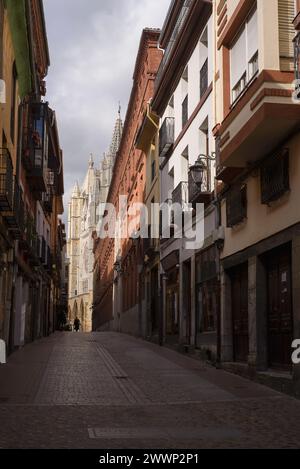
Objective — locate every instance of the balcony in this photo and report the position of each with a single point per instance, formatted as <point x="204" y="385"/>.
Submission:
<point x="6" y="181"/>
<point x="236" y="205"/>
<point x="15" y="218"/>
<point x="200" y="192"/>
<point x="35" y="145"/>
<point x="204" y="79"/>
<point x="166" y="136"/>
<point x="259" y="122"/>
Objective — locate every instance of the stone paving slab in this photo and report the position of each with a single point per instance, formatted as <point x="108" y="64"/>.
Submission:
<point x="108" y="390"/>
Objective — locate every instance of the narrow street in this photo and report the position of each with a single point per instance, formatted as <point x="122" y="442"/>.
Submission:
<point x="105" y="390"/>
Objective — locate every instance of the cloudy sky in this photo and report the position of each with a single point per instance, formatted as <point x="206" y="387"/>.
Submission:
<point x="93" y="46"/>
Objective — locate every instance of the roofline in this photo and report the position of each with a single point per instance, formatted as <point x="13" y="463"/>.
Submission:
<point x="44" y="30"/>
<point x="147" y="33"/>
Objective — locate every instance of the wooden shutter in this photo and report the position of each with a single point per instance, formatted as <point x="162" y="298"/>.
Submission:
<point x="286" y="15"/>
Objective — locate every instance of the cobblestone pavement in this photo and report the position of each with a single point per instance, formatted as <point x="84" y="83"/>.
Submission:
<point x="106" y="390"/>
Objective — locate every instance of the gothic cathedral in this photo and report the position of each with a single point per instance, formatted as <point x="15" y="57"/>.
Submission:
<point x="83" y="217"/>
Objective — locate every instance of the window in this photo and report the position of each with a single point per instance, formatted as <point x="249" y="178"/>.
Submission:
<point x="153" y="170"/>
<point x="185" y="110"/>
<point x="203" y="62"/>
<point x="244" y="56"/>
<point x="275" y="177"/>
<point x="184" y="92"/>
<point x="236" y="205"/>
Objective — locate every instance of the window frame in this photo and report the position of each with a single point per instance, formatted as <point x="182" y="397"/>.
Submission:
<point x="246" y="77"/>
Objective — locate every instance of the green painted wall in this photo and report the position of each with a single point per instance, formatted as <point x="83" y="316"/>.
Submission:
<point x="17" y="20"/>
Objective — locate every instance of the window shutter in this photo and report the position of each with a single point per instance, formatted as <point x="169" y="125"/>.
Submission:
<point x="238" y="58"/>
<point x="286" y="15"/>
<point x="252" y="35"/>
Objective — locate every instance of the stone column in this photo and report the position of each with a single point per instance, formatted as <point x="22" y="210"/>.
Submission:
<point x="226" y="318"/>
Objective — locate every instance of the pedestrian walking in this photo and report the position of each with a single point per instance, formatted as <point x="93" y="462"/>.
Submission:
<point x="76" y="324"/>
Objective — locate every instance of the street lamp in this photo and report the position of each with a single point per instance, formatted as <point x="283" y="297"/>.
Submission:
<point x="200" y="167"/>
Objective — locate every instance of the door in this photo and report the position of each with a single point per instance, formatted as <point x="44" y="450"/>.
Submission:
<point x="187" y="299"/>
<point x="280" y="322"/>
<point x="239" y="300"/>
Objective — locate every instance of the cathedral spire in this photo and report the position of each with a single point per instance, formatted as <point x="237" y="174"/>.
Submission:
<point x="117" y="135"/>
<point x="91" y="161"/>
<point x="76" y="190"/>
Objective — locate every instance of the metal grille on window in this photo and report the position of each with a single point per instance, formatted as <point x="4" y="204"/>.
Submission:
<point x="275" y="177"/>
<point x="236" y="205"/>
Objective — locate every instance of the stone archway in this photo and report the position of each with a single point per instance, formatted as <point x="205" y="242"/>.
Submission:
<point x="70" y="314"/>
<point x="75" y="310"/>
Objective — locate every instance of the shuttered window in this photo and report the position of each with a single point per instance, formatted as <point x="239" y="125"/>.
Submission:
<point x="286" y="15"/>
<point x="244" y="56"/>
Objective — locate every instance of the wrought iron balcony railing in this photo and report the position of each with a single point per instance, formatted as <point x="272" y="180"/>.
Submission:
<point x="236" y="205"/>
<point x="6" y="181"/>
<point x="15" y="218"/>
<point x="180" y="195"/>
<point x="166" y="136"/>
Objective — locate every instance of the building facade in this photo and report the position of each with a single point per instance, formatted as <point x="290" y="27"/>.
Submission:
<point x="31" y="184"/>
<point x="83" y="219"/>
<point x="183" y="99"/>
<point x="119" y="285"/>
<point x="258" y="166"/>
